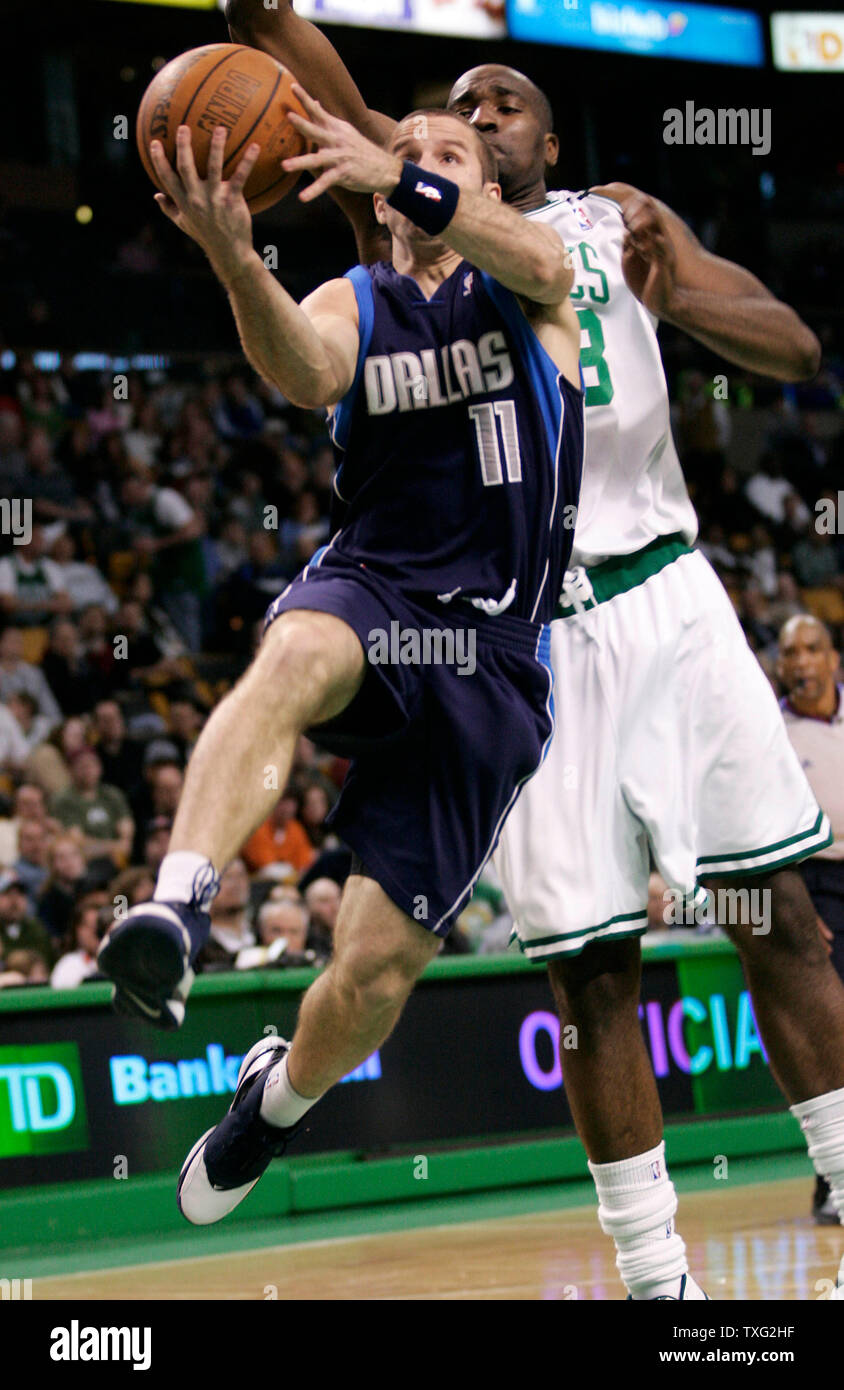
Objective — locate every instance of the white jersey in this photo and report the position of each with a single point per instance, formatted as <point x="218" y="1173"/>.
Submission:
<point x="633" y="488"/>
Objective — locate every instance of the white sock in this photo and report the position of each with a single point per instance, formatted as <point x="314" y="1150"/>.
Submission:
<point x="186" y="877"/>
<point x="636" y="1206"/>
<point x="280" y="1104"/>
<point x="822" y="1121"/>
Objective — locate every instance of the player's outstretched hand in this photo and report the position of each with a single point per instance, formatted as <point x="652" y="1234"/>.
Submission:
<point x="343" y="156"/>
<point x="649" y="261"/>
<point x="212" y="210"/>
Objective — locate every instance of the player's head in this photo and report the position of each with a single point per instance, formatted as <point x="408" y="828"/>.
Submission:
<point x="446" y="144"/>
<point x="515" y="119"/>
<point x="807" y="661"/>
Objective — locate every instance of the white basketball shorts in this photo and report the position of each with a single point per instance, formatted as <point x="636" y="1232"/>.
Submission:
<point x="669" y="741"/>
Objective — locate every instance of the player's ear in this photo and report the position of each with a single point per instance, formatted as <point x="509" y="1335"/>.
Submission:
<point x="552" y="150"/>
<point x="380" y="204"/>
<point x="492" y="190"/>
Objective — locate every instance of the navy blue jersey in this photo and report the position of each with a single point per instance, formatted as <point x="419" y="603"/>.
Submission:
<point x="459" y="446"/>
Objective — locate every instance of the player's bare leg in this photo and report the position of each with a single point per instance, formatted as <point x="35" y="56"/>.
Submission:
<point x="353" y="1006"/>
<point x="797" y="995"/>
<point x="608" y="1077"/>
<point x="798" y="999"/>
<point x="612" y="1093"/>
<point x="309" y="667"/>
<point x="347" y="1013"/>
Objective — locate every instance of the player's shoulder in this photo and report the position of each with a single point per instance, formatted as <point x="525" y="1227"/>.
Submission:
<point x="576" y="211"/>
<point x="340" y="296"/>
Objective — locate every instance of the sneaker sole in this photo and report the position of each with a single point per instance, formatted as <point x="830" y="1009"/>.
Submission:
<point x="143" y="960"/>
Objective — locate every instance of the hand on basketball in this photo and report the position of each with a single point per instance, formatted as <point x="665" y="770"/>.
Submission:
<point x="649" y="261"/>
<point x="211" y="210"/>
<point x="344" y="156"/>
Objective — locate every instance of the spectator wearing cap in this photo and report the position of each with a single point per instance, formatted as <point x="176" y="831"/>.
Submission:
<point x="18" y="929"/>
<point x="813" y="709"/>
<point x="78" y="961"/>
<point x="64" y="883"/>
<point x="100" y="811"/>
<point x="281" y="839"/>
<point x="20" y="677"/>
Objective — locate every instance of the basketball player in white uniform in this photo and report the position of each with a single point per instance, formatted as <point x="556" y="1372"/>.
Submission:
<point x="669" y="740"/>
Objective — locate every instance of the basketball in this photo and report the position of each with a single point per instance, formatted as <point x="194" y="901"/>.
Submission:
<point x="240" y="88"/>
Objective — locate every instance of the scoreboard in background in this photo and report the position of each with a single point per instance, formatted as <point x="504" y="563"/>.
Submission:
<point x="482" y="19"/>
<point x="704" y="33"/>
<point x="808" y="42"/>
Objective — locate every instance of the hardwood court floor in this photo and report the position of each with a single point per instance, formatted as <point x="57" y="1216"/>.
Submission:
<point x="745" y="1242"/>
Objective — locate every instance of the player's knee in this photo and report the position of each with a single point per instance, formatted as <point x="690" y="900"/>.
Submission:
<point x="296" y="658"/>
<point x="597" y="987"/>
<point x="374" y="982"/>
<point x="770" y="918"/>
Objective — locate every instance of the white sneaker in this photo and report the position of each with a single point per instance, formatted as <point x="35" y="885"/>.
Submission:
<point x="224" y="1165"/>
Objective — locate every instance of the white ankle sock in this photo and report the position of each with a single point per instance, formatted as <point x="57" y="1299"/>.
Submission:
<point x="636" y="1207"/>
<point x="822" y="1121"/>
<point x="186" y="877"/>
<point x="280" y="1104"/>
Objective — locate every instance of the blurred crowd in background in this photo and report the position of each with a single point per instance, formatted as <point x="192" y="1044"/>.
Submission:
<point x="167" y="511"/>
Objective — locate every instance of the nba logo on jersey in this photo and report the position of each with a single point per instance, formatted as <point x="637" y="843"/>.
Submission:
<point x="468" y="281"/>
<point x="581" y="217"/>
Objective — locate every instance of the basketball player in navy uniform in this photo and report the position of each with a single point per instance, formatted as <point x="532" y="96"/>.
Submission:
<point x="416" y="640"/>
<point x="737" y="810"/>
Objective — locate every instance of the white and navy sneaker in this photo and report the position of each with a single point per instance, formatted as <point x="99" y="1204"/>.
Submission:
<point x="149" y="954"/>
<point x="224" y="1165"/>
<point x="687" y="1292"/>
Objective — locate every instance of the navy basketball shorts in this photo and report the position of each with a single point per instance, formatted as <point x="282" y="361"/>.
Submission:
<point x="454" y="714"/>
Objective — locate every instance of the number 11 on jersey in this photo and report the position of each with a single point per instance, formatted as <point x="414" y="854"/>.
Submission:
<point x="495" y="426"/>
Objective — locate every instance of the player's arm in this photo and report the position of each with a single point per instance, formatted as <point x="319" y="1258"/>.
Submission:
<point x="527" y="257"/>
<point x="309" y="353"/>
<point x="305" y="50"/>
<point x="721" y="304"/>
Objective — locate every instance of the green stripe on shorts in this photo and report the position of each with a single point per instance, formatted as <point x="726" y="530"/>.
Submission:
<point x="793" y="848"/>
<point x="574" y="940"/>
<point x="623" y="572"/>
